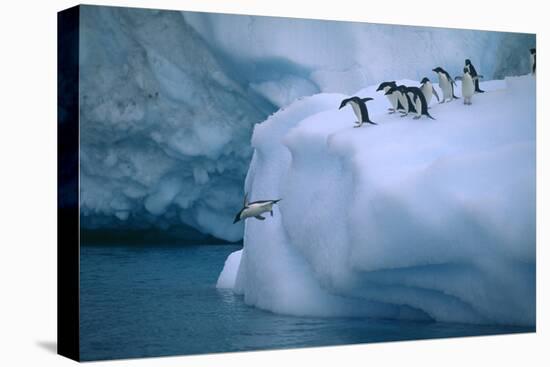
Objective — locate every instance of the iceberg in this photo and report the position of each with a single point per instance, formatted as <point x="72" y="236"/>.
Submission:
<point x="415" y="219"/>
<point x="169" y="100"/>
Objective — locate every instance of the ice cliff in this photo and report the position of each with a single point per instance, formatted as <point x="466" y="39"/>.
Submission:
<point x="414" y="219"/>
<point x="169" y="100"/>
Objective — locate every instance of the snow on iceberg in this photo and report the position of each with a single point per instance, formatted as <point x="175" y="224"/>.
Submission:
<point x="408" y="219"/>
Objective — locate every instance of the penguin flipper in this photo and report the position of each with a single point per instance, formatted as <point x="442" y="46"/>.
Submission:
<point x="400" y="106"/>
<point x="435" y="93"/>
<point x="259" y="217"/>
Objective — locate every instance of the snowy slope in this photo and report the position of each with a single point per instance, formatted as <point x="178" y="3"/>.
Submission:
<point x="407" y="219"/>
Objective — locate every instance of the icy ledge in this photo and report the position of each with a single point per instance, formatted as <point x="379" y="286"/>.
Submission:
<point x="409" y="219"/>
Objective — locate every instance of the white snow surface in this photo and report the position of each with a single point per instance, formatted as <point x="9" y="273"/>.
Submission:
<point x="169" y="99"/>
<point x="417" y="219"/>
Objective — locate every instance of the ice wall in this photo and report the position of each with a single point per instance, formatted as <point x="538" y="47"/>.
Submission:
<point x="169" y="100"/>
<point x="408" y="219"/>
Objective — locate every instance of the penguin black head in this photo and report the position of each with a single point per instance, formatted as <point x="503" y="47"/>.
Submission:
<point x="402" y="88"/>
<point x="438" y="69"/>
<point x="467" y="62"/>
<point x="344" y="102"/>
<point x="237" y="217"/>
<point x="424" y="80"/>
<point x="466" y="71"/>
<point x="533" y="51"/>
<point x="391" y="90"/>
<point x="385" y="84"/>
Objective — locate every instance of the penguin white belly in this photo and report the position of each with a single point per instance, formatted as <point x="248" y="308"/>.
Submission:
<point x="418" y="106"/>
<point x="427" y="91"/>
<point x="403" y="100"/>
<point x="445" y="86"/>
<point x="393" y="100"/>
<point x="256" y="209"/>
<point x="468" y="86"/>
<point x="357" y="111"/>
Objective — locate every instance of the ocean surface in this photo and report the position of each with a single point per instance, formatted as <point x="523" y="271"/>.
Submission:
<point x="145" y="301"/>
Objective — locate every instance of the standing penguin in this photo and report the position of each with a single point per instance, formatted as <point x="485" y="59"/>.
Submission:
<point x="473" y="73"/>
<point x="419" y="101"/>
<point x="395" y="105"/>
<point x="403" y="99"/>
<point x="533" y="60"/>
<point x="359" y="108"/>
<point x="428" y="90"/>
<point x="468" y="86"/>
<point x="446" y="83"/>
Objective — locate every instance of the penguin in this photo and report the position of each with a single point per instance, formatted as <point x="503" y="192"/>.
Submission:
<point x="359" y="108"/>
<point x="468" y="85"/>
<point x="473" y="73"/>
<point x="446" y="83"/>
<point x="428" y="90"/>
<point x="533" y="60"/>
<point x="255" y="209"/>
<point x="419" y="101"/>
<point x="395" y="104"/>
<point x="403" y="99"/>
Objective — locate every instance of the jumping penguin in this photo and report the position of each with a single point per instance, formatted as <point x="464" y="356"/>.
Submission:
<point x="468" y="85"/>
<point x="255" y="209"/>
<point x="359" y="108"/>
<point x="468" y="64"/>
<point x="533" y="60"/>
<point x="395" y="104"/>
<point x="428" y="90"/>
<point x="419" y="101"/>
<point x="446" y="83"/>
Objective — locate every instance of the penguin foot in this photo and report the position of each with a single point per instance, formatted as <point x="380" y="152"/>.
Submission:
<point x="416" y="117"/>
<point x="404" y="115"/>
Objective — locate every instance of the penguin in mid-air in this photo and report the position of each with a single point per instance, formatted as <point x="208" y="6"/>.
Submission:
<point x="359" y="108"/>
<point x="428" y="90"/>
<point x="446" y="83"/>
<point x="533" y="60"/>
<point x="395" y="104"/>
<point x="473" y="73"/>
<point x="468" y="85"/>
<point x="255" y="209"/>
<point x="419" y="101"/>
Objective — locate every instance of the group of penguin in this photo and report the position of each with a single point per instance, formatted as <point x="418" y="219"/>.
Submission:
<point x="403" y="99"/>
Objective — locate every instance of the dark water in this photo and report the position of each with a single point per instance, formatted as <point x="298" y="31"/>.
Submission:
<point x="143" y="301"/>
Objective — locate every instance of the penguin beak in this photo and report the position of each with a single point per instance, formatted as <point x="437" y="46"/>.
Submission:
<point x="342" y="105"/>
